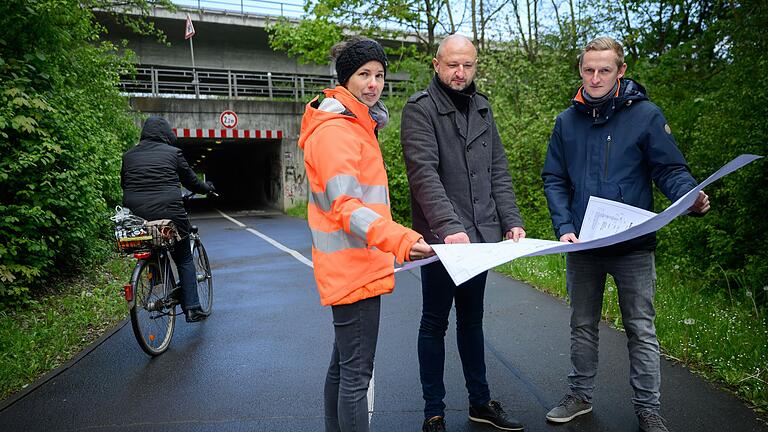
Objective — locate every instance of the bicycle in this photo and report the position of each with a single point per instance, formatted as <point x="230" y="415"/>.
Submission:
<point x="153" y="292"/>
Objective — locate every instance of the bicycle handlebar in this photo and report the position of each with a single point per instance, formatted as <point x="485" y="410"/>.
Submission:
<point x="188" y="196"/>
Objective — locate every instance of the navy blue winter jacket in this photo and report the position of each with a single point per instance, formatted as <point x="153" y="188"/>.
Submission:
<point x="612" y="152"/>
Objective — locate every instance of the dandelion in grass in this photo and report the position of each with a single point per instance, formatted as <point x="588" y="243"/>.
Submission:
<point x="686" y="338"/>
<point x="677" y="266"/>
<point x="749" y="295"/>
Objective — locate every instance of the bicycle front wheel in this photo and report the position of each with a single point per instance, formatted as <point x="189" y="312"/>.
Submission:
<point x="204" y="276"/>
<point x="152" y="323"/>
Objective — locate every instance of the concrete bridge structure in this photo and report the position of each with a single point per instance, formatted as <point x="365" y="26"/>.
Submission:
<point x="255" y="163"/>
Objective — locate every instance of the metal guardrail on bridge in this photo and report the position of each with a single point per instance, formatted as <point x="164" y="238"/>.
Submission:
<point x="164" y="81"/>
<point x="288" y="8"/>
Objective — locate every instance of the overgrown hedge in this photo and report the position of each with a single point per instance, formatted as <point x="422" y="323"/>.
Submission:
<point x="63" y="127"/>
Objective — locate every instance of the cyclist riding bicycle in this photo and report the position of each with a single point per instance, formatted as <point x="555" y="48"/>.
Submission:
<point x="150" y="177"/>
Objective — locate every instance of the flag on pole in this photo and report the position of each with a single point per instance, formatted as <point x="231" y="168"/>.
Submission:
<point x="190" y="29"/>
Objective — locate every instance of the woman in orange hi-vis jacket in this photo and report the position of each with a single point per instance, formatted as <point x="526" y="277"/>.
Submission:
<point x="354" y="239"/>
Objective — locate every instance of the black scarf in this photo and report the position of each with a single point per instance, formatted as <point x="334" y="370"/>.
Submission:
<point x="596" y="102"/>
<point x="460" y="98"/>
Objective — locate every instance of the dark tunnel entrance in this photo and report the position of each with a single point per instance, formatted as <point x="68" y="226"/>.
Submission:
<point x="246" y="172"/>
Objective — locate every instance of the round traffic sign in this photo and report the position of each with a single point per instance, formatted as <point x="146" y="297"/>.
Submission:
<point x="228" y="119"/>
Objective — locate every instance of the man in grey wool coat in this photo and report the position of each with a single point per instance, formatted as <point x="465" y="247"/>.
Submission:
<point x="461" y="192"/>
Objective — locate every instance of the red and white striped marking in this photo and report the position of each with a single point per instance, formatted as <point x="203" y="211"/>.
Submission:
<point x="228" y="133"/>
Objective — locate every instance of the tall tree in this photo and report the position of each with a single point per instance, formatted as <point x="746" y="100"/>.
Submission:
<point x="403" y="20"/>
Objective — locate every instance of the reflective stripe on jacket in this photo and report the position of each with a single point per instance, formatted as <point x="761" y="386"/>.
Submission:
<point x="354" y="238"/>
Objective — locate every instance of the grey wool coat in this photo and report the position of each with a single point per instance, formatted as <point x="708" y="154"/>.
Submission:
<point x="457" y="169"/>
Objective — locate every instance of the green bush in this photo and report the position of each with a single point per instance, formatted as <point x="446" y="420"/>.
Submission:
<point x="716" y="108"/>
<point x="389" y="140"/>
<point x="63" y="126"/>
<point x="526" y="98"/>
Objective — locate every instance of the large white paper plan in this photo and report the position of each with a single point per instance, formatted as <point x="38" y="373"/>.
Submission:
<point x="464" y="261"/>
<point x="605" y="217"/>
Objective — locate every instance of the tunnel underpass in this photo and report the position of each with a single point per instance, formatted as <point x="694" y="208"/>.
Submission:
<point x="246" y="172"/>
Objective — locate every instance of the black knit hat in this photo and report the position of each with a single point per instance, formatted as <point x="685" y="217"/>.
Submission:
<point x="357" y="54"/>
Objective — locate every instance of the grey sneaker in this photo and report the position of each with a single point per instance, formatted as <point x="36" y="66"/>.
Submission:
<point x="651" y="422"/>
<point x="569" y="408"/>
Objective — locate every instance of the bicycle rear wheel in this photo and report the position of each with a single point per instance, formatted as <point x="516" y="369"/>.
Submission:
<point x="152" y="323"/>
<point x="204" y="276"/>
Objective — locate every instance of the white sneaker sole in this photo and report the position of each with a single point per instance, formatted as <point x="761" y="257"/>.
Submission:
<point x="567" y="419"/>
<point x="479" y="420"/>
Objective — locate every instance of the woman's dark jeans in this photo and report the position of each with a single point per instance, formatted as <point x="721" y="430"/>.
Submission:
<point x="182" y="256"/>
<point x="356" y="328"/>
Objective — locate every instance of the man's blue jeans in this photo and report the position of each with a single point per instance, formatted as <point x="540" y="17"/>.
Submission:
<point x="635" y="277"/>
<point x="438" y="295"/>
<point x="356" y="328"/>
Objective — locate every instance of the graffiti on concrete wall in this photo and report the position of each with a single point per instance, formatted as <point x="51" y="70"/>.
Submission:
<point x="295" y="180"/>
<point x="275" y="187"/>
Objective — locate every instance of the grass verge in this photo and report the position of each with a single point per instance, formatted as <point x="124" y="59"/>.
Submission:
<point x="299" y="210"/>
<point x="58" y="325"/>
<point x="723" y="339"/>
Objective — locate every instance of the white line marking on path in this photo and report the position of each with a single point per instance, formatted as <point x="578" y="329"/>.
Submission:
<point x="370" y="397"/>
<point x="301" y="258"/>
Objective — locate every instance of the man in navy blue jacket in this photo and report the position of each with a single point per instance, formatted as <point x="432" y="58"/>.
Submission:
<point x="612" y="143"/>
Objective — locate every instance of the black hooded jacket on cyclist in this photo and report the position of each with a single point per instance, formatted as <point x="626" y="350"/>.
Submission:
<point x="150" y="177"/>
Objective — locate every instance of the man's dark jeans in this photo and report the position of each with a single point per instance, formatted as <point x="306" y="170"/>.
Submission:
<point x="438" y="294"/>
<point x="182" y="256"/>
<point x="635" y="277"/>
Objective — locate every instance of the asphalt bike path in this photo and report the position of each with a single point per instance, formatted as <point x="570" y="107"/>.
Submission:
<point x="258" y="363"/>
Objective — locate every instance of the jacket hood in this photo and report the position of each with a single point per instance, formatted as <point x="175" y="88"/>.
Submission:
<point x="314" y="117"/>
<point x="629" y="92"/>
<point x="632" y="90"/>
<point x="157" y="129"/>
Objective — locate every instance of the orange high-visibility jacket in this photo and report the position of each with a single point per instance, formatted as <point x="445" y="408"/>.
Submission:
<point x="353" y="235"/>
